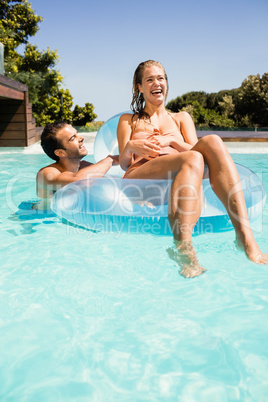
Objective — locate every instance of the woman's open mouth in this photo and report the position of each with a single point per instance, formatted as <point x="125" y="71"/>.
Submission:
<point x="156" y="92"/>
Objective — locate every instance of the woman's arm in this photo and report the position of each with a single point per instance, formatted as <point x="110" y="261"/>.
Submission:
<point x="123" y="137"/>
<point x="187" y="127"/>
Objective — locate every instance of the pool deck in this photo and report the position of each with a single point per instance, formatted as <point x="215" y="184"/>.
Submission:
<point x="242" y="142"/>
<point x="237" y="136"/>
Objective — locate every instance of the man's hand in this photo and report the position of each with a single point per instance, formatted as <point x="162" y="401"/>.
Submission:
<point x="115" y="159"/>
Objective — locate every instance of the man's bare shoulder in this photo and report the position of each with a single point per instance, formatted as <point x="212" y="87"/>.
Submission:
<point x="44" y="177"/>
<point x="50" y="168"/>
<point x="51" y="178"/>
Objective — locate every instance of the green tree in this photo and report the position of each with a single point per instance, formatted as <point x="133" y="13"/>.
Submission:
<point x="246" y="106"/>
<point x="186" y="99"/>
<point x="175" y="105"/>
<point x="35" y="68"/>
<point x="18" y="22"/>
<point x="214" y="99"/>
<point x="196" y="104"/>
<point x="204" y="117"/>
<point x="227" y="106"/>
<point x="18" y="17"/>
<point x="252" y="102"/>
<point x="83" y="115"/>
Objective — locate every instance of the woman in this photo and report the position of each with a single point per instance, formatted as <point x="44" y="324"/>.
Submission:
<point x="156" y="144"/>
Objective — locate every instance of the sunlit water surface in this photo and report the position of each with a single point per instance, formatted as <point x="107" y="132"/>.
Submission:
<point x="106" y="317"/>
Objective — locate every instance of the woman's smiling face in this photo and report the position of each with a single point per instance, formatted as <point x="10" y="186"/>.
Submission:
<point x="154" y="85"/>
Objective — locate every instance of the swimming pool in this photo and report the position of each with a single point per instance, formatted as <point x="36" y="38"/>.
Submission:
<point x="106" y="317"/>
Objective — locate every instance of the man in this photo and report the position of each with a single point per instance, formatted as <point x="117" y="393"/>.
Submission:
<point x="61" y="142"/>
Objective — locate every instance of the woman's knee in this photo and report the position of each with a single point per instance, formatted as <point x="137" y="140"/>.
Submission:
<point x="195" y="162"/>
<point x="213" y="141"/>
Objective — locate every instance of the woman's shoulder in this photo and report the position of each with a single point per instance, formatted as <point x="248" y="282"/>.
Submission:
<point x="180" y="116"/>
<point x="128" y="119"/>
<point x="182" y="119"/>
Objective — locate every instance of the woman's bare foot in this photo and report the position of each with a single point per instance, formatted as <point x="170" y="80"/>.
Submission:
<point x="253" y="251"/>
<point x="261" y="258"/>
<point x="185" y="256"/>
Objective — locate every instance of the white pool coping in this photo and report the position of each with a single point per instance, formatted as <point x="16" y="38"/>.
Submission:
<point x="247" y="147"/>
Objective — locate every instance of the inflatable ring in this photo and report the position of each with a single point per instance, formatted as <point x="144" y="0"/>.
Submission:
<point x="106" y="143"/>
<point x="112" y="204"/>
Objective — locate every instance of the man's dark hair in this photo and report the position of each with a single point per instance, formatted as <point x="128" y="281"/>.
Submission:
<point x="49" y="140"/>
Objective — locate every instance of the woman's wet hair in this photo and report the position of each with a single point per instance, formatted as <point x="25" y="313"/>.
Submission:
<point x="49" y="140"/>
<point x="137" y="104"/>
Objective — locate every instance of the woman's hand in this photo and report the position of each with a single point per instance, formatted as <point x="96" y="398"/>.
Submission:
<point x="146" y="148"/>
<point x="163" y="140"/>
<point x="170" y="140"/>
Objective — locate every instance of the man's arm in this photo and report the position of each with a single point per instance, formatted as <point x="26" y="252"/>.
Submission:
<point x="51" y="179"/>
<point x="98" y="169"/>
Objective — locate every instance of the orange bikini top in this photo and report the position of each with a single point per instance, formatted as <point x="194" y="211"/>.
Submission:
<point x="148" y="131"/>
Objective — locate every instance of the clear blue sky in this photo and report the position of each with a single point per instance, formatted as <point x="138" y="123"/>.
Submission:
<point x="204" y="45"/>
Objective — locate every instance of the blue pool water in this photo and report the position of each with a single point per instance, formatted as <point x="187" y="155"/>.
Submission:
<point x="106" y="317"/>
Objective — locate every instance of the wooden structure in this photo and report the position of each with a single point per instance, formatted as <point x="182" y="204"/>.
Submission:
<point x="17" y="126"/>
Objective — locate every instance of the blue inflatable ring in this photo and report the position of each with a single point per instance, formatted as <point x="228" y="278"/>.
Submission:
<point x="112" y="204"/>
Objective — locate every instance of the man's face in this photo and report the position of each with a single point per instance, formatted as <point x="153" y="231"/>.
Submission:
<point x="72" y="142"/>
